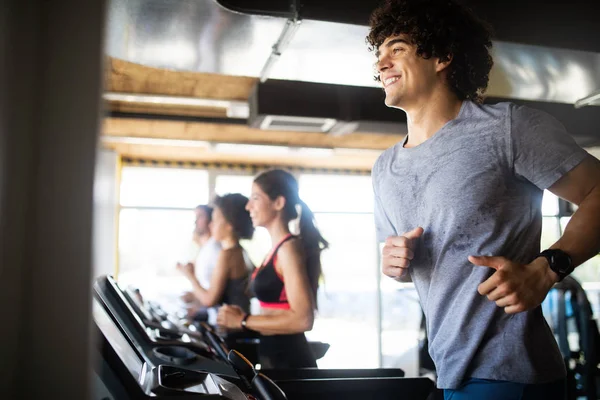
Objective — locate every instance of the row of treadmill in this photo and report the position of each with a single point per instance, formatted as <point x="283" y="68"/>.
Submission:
<point x="143" y="353"/>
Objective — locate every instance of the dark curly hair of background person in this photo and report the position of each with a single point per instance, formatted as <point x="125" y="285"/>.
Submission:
<point x="440" y="28"/>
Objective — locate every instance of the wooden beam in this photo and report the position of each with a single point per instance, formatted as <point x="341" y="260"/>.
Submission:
<point x="127" y="77"/>
<point x="355" y="161"/>
<point x="242" y="134"/>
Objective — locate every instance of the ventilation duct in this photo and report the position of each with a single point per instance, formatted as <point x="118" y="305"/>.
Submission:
<point x="202" y="36"/>
<point x="314" y="107"/>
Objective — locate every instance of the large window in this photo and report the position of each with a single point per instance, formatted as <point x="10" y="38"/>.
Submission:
<point x="348" y="298"/>
<point x="226" y="183"/>
<point x="163" y="187"/>
<point x="154" y="240"/>
<point x="156" y="224"/>
<point x="157" y="221"/>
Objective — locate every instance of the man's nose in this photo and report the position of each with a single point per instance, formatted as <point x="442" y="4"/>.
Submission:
<point x="382" y="64"/>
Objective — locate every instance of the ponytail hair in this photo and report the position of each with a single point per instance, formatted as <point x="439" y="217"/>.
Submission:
<point x="313" y="243"/>
<point x="277" y="182"/>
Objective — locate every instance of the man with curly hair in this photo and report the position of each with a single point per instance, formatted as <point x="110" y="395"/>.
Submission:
<point x="458" y="204"/>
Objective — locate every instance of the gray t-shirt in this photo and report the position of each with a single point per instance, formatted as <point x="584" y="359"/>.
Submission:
<point x="476" y="188"/>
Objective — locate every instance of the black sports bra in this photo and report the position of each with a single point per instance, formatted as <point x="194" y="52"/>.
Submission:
<point x="268" y="286"/>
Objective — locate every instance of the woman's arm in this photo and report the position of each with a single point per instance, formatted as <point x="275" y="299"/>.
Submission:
<point x="300" y="317"/>
<point x="211" y="296"/>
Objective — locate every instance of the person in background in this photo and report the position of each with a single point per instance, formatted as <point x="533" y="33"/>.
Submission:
<point x="229" y="279"/>
<point x="286" y="283"/>
<point x="206" y="257"/>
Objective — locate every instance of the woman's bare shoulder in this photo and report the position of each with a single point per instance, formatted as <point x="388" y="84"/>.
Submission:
<point x="291" y="250"/>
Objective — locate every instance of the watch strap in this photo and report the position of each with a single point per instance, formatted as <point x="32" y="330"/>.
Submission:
<point x="244" y="322"/>
<point x="561" y="270"/>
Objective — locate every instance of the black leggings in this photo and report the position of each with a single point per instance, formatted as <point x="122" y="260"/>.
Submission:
<point x="285" y="352"/>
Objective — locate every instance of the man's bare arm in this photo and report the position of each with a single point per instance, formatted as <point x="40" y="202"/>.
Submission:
<point x="581" y="186"/>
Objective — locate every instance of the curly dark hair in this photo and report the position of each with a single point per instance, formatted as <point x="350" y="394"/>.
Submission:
<point x="233" y="207"/>
<point x="443" y="29"/>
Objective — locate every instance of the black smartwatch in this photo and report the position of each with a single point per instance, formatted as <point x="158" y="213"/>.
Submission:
<point x="244" y="321"/>
<point x="559" y="261"/>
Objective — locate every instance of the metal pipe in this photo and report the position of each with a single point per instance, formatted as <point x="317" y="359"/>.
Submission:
<point x="588" y="100"/>
<point x="287" y="34"/>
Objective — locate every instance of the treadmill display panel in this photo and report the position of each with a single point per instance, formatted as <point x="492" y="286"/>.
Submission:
<point x="117" y="340"/>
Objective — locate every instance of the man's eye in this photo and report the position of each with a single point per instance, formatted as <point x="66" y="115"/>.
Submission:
<point x="396" y="50"/>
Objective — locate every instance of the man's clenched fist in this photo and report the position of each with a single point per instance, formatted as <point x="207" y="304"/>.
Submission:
<point x="398" y="252"/>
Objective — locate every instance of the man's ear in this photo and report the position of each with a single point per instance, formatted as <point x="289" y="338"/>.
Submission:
<point x="279" y="203"/>
<point x="443" y="63"/>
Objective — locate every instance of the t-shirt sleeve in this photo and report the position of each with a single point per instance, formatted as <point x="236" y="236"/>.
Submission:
<point x="542" y="150"/>
<point x="383" y="225"/>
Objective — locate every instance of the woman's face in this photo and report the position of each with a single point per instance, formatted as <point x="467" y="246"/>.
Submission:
<point x="261" y="208"/>
<point x="220" y="228"/>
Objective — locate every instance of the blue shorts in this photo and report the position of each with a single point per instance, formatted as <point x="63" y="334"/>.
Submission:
<point x="503" y="390"/>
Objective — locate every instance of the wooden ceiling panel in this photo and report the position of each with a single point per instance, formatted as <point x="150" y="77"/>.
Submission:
<point x="178" y="130"/>
<point x="123" y="76"/>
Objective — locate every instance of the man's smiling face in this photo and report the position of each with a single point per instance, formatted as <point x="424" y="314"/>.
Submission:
<point x="404" y="75"/>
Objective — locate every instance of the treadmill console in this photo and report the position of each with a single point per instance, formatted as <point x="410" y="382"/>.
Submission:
<point x="145" y="360"/>
<point x="144" y="353"/>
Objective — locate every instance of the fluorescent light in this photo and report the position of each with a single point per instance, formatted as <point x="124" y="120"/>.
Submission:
<point x="350" y="151"/>
<point x="155" y="141"/>
<point x="235" y="109"/>
<point x="250" y="148"/>
<point x="314" y="151"/>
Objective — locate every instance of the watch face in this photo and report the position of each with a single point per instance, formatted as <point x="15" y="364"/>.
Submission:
<point x="560" y="262"/>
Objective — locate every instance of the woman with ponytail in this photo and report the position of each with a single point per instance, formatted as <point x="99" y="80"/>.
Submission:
<point x="286" y="284"/>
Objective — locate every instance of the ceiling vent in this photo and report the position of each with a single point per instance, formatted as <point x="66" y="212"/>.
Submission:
<point x="317" y="107"/>
<point x="291" y="123"/>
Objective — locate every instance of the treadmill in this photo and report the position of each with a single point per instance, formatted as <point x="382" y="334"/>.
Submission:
<point x="143" y="353"/>
<point x="141" y="358"/>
